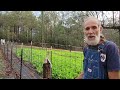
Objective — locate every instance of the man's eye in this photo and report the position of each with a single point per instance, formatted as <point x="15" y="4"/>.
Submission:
<point x="87" y="28"/>
<point x="94" y="27"/>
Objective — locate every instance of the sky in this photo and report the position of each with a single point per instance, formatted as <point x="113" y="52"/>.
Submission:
<point x="106" y="17"/>
<point x="108" y="13"/>
<point x="36" y="13"/>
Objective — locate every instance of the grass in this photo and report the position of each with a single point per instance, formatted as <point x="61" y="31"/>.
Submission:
<point x="65" y="64"/>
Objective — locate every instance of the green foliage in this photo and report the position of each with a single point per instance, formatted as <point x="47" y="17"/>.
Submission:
<point x="65" y="64"/>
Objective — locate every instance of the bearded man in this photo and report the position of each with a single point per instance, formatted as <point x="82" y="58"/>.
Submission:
<point x="101" y="57"/>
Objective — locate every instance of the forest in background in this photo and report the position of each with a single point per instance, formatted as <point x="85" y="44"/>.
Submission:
<point x="54" y="27"/>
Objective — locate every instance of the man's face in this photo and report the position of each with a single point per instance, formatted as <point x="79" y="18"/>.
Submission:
<point x="92" y="32"/>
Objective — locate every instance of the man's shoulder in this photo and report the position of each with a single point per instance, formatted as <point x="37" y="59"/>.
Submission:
<point x="111" y="47"/>
<point x="85" y="48"/>
<point x="110" y="44"/>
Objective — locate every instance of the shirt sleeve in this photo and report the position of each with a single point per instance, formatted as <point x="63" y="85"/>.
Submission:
<point x="113" y="57"/>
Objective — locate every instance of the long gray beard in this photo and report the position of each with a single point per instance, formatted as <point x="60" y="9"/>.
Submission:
<point x="94" y="42"/>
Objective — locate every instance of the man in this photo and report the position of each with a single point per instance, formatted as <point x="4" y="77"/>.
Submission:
<point x="101" y="57"/>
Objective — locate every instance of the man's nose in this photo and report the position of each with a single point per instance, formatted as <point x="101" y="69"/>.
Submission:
<point x="90" y="31"/>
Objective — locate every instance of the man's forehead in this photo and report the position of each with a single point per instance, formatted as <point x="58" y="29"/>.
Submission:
<point x="91" y="21"/>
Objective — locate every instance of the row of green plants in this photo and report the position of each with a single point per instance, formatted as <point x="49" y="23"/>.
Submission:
<point x="65" y="64"/>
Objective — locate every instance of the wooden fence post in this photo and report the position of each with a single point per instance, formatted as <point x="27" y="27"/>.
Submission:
<point x="47" y="74"/>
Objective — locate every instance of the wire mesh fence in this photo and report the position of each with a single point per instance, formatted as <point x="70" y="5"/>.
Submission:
<point x="66" y="64"/>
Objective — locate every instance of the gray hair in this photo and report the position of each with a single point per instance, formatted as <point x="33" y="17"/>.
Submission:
<point x="92" y="18"/>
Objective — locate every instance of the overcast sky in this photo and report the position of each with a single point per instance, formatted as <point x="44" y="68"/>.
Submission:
<point x="36" y="13"/>
<point x="108" y="13"/>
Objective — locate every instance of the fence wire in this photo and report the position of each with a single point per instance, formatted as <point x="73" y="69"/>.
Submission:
<point x="65" y="63"/>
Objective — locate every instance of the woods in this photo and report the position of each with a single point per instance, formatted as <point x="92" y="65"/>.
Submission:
<point x="54" y="27"/>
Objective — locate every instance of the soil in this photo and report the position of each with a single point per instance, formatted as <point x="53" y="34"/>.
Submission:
<point x="12" y="69"/>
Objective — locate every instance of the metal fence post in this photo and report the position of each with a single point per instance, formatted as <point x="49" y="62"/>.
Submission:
<point x="31" y="51"/>
<point x="7" y="50"/>
<point x="11" y="54"/>
<point x="21" y="61"/>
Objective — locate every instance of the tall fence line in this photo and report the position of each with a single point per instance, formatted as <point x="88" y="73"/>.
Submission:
<point x="61" y="60"/>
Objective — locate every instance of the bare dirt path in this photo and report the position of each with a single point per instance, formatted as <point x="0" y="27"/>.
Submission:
<point x="8" y="70"/>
